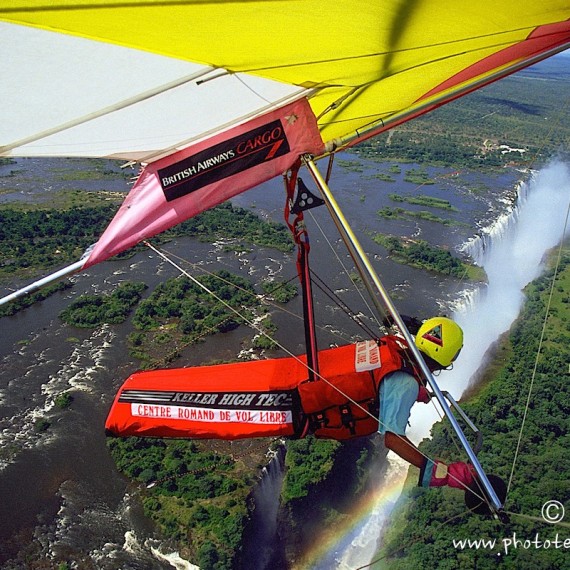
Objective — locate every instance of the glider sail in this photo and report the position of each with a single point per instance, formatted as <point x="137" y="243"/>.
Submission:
<point x="366" y="65"/>
<point x="183" y="184"/>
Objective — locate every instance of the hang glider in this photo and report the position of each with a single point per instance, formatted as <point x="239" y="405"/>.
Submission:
<point x="363" y="66"/>
<point x="233" y="71"/>
<point x="249" y="90"/>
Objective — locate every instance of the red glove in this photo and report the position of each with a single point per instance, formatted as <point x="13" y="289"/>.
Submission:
<point x="423" y="395"/>
<point x="438" y="474"/>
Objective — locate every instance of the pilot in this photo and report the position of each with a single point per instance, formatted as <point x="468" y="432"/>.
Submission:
<point x="440" y="340"/>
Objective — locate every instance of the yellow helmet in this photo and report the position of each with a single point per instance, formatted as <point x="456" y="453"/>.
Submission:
<point x="441" y="339"/>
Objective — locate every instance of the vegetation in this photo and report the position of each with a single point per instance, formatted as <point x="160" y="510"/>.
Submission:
<point x="41" y="425"/>
<point x="34" y="240"/>
<point x="418" y="176"/>
<point x="227" y="221"/>
<point x="196" y="496"/>
<point x="468" y="133"/>
<point x="23" y="302"/>
<point x="93" y="310"/>
<point x="308" y="461"/>
<point x="424" y="256"/>
<point x="180" y="312"/>
<point x="401" y="214"/>
<point x="382" y="176"/>
<point x="63" y="400"/>
<point x="280" y="292"/>
<point x="264" y="340"/>
<point x="183" y="303"/>
<point x="351" y="165"/>
<point x="430" y="201"/>
<point x="542" y="470"/>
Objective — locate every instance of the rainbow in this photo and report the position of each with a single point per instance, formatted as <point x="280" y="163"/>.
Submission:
<point x="340" y="546"/>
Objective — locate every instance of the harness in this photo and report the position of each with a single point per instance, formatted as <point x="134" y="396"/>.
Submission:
<point x="346" y="405"/>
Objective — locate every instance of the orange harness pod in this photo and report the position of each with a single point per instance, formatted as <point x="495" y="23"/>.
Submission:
<point x="346" y="405"/>
<point x="262" y="398"/>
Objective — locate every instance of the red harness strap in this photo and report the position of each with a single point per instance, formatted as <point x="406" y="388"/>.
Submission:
<point x="301" y="238"/>
<point x="346" y="405"/>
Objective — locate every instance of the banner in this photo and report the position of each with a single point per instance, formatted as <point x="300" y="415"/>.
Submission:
<point x="201" y="176"/>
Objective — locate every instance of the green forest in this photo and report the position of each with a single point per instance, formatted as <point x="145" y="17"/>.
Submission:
<point x="426" y="522"/>
<point x="195" y="493"/>
<point x="422" y="255"/>
<point x="467" y="133"/>
<point x="35" y="239"/>
<point x="90" y="311"/>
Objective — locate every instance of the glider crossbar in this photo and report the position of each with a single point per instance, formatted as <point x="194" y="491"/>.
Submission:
<point x="36" y="285"/>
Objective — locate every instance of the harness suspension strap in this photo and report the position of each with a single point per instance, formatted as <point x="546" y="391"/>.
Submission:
<point x="301" y="238"/>
<point x="308" y="308"/>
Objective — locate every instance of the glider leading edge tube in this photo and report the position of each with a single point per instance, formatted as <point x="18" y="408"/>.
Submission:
<point x="43" y="281"/>
<point x="368" y="273"/>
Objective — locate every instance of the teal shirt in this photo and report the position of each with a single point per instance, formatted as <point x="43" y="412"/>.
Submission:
<point x="398" y="392"/>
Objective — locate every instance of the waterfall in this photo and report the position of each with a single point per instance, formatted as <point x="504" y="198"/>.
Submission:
<point x="512" y="252"/>
<point x="261" y="543"/>
<point x="479" y="246"/>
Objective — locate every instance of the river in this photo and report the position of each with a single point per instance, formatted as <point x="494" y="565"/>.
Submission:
<point x="62" y="498"/>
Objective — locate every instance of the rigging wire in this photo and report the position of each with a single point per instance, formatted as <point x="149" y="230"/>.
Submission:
<point x="344" y="268"/>
<point x="351" y="314"/>
<point x="250" y="323"/>
<point x="537" y="519"/>
<point x="538" y="353"/>
<point x="264" y="298"/>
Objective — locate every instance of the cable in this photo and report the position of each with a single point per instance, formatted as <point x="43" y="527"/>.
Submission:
<point x="351" y="314"/>
<point x="264" y="298"/>
<point x="538" y="353"/>
<point x="357" y="289"/>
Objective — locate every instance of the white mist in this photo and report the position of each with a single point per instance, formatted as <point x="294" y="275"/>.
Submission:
<point x="512" y="253"/>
